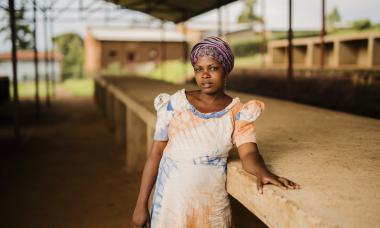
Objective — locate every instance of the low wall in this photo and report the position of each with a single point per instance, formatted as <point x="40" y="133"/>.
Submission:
<point x="334" y="156"/>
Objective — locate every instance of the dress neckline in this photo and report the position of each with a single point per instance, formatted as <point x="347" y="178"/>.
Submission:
<point x="208" y="115"/>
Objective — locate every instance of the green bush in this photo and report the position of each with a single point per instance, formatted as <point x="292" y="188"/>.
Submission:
<point x="246" y="48"/>
<point x="361" y="24"/>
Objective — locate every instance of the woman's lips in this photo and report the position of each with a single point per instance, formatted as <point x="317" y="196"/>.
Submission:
<point x="206" y="85"/>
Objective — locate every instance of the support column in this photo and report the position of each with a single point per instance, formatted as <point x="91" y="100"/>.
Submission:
<point x="110" y="110"/>
<point x="16" y="109"/>
<point x="47" y="78"/>
<point x="290" y="54"/>
<point x="35" y="58"/>
<point x="136" y="142"/>
<point x="119" y="122"/>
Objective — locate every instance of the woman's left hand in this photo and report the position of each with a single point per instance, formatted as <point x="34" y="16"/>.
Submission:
<point x="270" y="178"/>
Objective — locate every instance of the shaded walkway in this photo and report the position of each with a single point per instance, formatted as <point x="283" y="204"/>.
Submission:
<point x="68" y="171"/>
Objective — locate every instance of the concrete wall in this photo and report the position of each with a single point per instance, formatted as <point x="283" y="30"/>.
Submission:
<point x="353" y="51"/>
<point x="25" y="70"/>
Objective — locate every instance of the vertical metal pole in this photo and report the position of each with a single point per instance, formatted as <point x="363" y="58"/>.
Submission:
<point x="290" y="54"/>
<point x="163" y="50"/>
<point x="47" y="81"/>
<point x="52" y="57"/>
<point x="220" y="22"/>
<point x="322" y="36"/>
<point x="16" y="103"/>
<point x="36" y="77"/>
<point x="185" y="49"/>
<point x="263" y="40"/>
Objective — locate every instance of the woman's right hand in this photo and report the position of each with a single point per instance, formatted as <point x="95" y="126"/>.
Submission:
<point x="141" y="217"/>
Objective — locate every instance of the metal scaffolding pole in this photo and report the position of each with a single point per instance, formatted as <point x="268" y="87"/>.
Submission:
<point x="52" y="58"/>
<point x="220" y="33"/>
<point x="185" y="48"/>
<point x="47" y="81"/>
<point x="290" y="54"/>
<point x="263" y="38"/>
<point x="16" y="104"/>
<point x="163" y="50"/>
<point x="36" y="76"/>
<point x="322" y="37"/>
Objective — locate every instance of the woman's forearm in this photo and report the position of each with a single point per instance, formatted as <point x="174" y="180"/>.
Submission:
<point x="251" y="159"/>
<point x="150" y="173"/>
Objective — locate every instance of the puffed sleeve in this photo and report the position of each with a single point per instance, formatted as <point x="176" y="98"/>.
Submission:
<point x="164" y="110"/>
<point x="244" y="129"/>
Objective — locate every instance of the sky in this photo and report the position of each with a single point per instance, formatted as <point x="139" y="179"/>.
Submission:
<point x="306" y="15"/>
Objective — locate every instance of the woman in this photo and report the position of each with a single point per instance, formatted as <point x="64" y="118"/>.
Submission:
<point x="195" y="130"/>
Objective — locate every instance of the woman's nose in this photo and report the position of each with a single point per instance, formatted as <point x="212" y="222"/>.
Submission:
<point x="206" y="74"/>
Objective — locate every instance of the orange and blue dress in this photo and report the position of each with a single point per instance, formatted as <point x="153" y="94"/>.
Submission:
<point x="191" y="183"/>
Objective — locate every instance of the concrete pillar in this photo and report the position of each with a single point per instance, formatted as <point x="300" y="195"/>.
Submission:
<point x="136" y="142"/>
<point x="309" y="54"/>
<point x="119" y="122"/>
<point x="110" y="110"/>
<point x="371" y="44"/>
<point x="336" y="53"/>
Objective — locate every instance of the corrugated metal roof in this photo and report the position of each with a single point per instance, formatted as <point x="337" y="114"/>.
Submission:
<point x="172" y="10"/>
<point x="136" y="34"/>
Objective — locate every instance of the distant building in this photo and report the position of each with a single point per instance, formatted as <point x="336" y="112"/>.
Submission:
<point x="25" y="65"/>
<point x="347" y="51"/>
<point x="130" y="47"/>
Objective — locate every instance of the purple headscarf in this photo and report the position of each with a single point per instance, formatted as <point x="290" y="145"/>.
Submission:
<point x="215" y="48"/>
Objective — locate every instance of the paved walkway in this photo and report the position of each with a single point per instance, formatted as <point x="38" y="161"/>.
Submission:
<point x="67" y="173"/>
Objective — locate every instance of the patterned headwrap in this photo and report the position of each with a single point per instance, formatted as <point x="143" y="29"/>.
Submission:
<point x="215" y="48"/>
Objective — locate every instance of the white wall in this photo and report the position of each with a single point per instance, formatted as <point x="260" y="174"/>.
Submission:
<point x="26" y="72"/>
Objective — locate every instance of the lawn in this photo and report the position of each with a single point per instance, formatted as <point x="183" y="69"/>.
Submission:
<point x="75" y="87"/>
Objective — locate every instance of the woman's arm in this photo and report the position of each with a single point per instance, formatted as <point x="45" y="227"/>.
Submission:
<point x="254" y="164"/>
<point x="141" y="213"/>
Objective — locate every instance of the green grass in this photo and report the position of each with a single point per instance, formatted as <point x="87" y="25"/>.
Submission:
<point x="79" y="87"/>
<point x="247" y="61"/>
<point x="76" y="87"/>
<point x="172" y="71"/>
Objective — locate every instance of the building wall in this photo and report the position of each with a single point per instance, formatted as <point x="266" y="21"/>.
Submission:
<point x="92" y="54"/>
<point x="126" y="53"/>
<point x="26" y="71"/>
<point x="100" y="54"/>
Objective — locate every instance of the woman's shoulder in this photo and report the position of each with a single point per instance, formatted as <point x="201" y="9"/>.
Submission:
<point x="172" y="101"/>
<point x="248" y="111"/>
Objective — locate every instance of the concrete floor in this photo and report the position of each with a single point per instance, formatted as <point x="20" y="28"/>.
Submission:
<point x="68" y="172"/>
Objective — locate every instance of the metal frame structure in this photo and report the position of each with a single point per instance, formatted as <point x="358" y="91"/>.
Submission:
<point x="166" y="10"/>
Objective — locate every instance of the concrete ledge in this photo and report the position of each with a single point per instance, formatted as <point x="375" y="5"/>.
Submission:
<point x="334" y="156"/>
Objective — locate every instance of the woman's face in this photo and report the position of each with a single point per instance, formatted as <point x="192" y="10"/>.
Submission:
<point x="209" y="75"/>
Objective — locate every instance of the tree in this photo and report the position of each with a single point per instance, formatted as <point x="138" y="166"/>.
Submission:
<point x="333" y="18"/>
<point x="71" y="47"/>
<point x="24" y="35"/>
<point x="248" y="13"/>
<point x="361" y="24"/>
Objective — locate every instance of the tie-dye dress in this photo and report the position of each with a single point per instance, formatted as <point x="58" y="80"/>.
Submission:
<point x="191" y="183"/>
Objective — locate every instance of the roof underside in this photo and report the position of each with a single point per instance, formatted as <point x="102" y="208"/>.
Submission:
<point x="171" y="10"/>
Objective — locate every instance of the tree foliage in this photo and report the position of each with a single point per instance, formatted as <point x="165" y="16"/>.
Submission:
<point x="362" y="24"/>
<point x="248" y="13"/>
<point x="24" y="35"/>
<point x="333" y="18"/>
<point x="71" y="47"/>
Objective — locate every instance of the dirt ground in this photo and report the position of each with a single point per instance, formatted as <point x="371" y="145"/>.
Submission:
<point x="67" y="171"/>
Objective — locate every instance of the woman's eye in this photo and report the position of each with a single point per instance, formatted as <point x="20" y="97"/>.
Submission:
<point x="213" y="68"/>
<point x="197" y="70"/>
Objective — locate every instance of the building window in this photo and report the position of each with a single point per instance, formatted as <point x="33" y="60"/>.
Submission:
<point x="130" y="56"/>
<point x="112" y="53"/>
